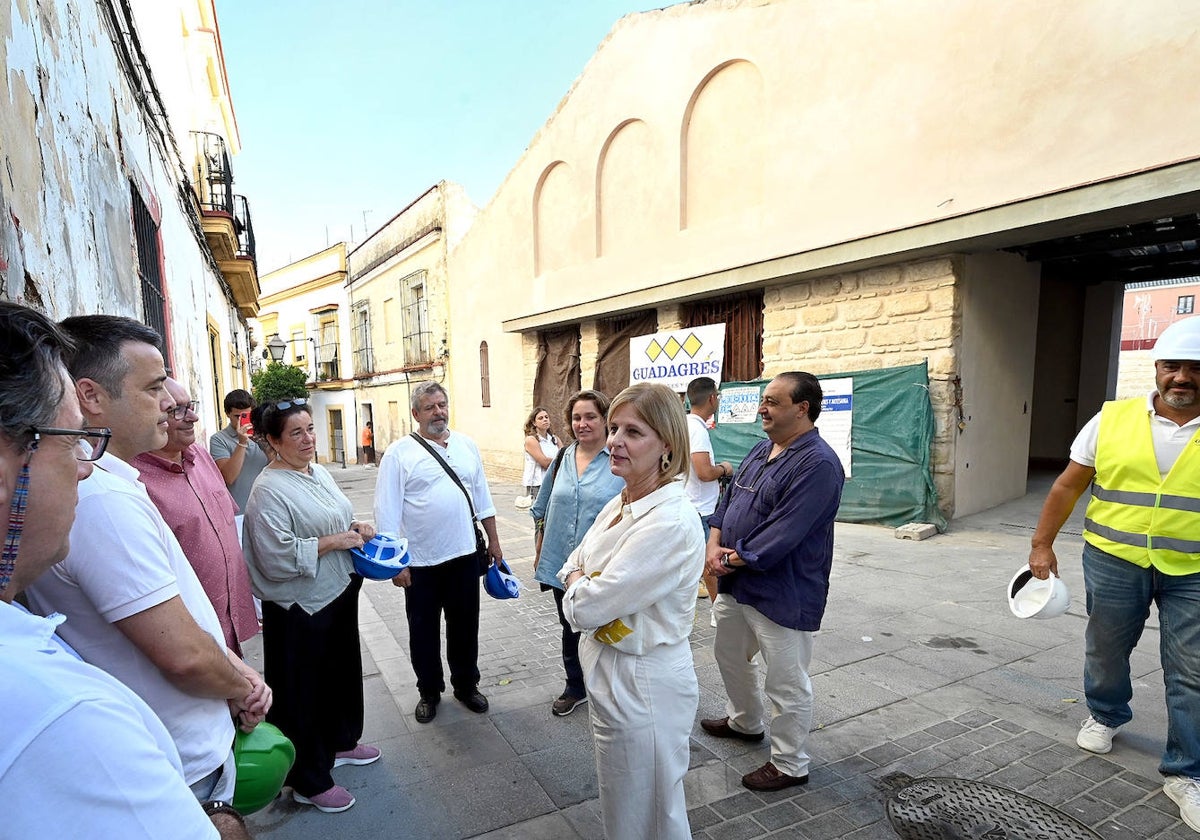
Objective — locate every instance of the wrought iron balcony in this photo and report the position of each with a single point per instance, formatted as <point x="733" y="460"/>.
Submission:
<point x="244" y="227"/>
<point x="213" y="174"/>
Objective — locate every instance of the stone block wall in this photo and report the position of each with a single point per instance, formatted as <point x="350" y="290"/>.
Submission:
<point x="878" y="318"/>
<point x="589" y="348"/>
<point x="1135" y="373"/>
<point x="670" y="317"/>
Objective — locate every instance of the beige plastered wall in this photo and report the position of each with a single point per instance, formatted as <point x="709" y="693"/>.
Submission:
<point x="992" y="397"/>
<point x="704" y="140"/>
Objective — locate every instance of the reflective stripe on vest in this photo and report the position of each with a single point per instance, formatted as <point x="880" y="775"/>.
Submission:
<point x="1135" y="513"/>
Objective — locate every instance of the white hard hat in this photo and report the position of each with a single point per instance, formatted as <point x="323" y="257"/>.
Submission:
<point x="1029" y="597"/>
<point x="1179" y="342"/>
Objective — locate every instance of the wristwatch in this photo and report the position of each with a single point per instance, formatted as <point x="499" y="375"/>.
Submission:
<point x="216" y="806"/>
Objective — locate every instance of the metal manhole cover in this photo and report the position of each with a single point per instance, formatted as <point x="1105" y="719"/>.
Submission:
<point x="957" y="809"/>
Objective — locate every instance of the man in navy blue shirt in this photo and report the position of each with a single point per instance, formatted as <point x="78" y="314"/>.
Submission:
<point x="771" y="548"/>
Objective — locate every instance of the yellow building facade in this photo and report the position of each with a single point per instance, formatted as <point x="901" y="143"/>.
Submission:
<point x="397" y="296"/>
<point x="304" y="306"/>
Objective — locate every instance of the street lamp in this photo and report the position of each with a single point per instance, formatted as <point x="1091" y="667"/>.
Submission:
<point x="276" y="347"/>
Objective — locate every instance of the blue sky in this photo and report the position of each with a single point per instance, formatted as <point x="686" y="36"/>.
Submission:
<point x="357" y="107"/>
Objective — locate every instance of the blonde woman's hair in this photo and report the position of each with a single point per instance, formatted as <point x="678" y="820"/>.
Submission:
<point x="661" y="409"/>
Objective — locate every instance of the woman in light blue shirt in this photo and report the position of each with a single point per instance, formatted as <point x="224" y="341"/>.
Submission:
<point x="576" y="486"/>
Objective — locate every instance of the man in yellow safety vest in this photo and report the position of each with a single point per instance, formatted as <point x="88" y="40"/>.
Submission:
<point x="1141" y="457"/>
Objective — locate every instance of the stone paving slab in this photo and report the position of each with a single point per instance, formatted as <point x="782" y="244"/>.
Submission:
<point x="919" y="670"/>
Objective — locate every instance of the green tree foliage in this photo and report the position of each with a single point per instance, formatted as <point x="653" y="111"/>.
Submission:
<point x="278" y="381"/>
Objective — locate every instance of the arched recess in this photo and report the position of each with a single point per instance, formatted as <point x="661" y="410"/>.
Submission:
<point x="560" y="220"/>
<point x="634" y="190"/>
<point x="721" y="146"/>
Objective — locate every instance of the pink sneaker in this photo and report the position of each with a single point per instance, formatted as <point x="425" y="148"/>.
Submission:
<point x="333" y="801"/>
<point x="362" y="754"/>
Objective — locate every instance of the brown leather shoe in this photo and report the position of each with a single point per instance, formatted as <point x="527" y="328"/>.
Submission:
<point x="768" y="777"/>
<point x="720" y="728"/>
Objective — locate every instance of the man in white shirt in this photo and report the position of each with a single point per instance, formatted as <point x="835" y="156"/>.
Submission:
<point x="416" y="498"/>
<point x="134" y="605"/>
<point x="79" y="752"/>
<point x="702" y="486"/>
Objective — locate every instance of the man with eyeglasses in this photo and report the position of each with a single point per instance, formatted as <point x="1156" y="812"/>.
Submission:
<point x="136" y="609"/>
<point x="187" y="488"/>
<point x="79" y="751"/>
<point x="771" y="548"/>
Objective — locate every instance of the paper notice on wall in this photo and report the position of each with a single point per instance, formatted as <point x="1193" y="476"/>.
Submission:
<point x="739" y="404"/>
<point x="837" y="413"/>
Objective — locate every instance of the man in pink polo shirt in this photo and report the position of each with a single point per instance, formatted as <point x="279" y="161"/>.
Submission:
<point x="186" y="486"/>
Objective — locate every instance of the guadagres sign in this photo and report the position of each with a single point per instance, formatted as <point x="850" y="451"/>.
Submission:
<point x="677" y="357"/>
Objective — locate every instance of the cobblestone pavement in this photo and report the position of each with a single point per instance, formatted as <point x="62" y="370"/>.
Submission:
<point x="919" y="669"/>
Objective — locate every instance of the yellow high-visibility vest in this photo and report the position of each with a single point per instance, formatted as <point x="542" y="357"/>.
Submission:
<point x="1135" y="513"/>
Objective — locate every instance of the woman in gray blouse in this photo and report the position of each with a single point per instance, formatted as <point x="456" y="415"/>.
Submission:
<point x="299" y="531"/>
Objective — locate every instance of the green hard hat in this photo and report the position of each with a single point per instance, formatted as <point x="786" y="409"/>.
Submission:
<point x="263" y="758"/>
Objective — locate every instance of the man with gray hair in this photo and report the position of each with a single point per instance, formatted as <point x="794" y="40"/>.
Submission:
<point x="430" y="486"/>
<point x="79" y="751"/>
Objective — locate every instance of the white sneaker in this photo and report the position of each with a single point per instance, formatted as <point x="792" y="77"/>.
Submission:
<point x="1185" y="793"/>
<point x="1095" y="737"/>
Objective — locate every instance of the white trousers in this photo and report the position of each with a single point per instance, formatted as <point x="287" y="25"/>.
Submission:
<point x="742" y="632"/>
<point x="642" y="710"/>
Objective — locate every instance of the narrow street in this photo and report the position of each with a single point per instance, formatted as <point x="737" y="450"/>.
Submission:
<point x="920" y="669"/>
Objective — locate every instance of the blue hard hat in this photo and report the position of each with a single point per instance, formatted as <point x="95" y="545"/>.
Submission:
<point x="500" y="583"/>
<point x="381" y="557"/>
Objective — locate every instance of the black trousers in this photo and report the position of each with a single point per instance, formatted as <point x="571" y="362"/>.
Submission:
<point x="570" y="650"/>
<point x="314" y="667"/>
<point x="450" y="588"/>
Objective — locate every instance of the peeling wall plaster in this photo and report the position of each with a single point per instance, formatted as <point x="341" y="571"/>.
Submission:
<point x="73" y="137"/>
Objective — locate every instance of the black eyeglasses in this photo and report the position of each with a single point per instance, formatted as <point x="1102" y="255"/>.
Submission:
<point x="286" y="404"/>
<point x="90" y="442"/>
<point x="180" y="411"/>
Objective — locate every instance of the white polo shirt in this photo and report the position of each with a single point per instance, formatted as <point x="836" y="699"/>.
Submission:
<point x="81" y="754"/>
<point x="123" y="561"/>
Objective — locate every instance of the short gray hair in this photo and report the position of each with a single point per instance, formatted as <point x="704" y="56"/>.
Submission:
<point x="427" y="387"/>
<point x="32" y="385"/>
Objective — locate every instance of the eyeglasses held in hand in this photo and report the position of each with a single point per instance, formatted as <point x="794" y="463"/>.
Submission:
<point x="181" y="411"/>
<point x="90" y="442"/>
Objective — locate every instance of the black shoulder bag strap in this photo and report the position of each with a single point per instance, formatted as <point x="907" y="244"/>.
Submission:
<point x="558" y="459"/>
<point x="480" y="543"/>
<point x="453" y="475"/>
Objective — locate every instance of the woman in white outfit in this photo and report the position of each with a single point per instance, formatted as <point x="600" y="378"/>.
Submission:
<point x="631" y="592"/>
<point x="540" y="448"/>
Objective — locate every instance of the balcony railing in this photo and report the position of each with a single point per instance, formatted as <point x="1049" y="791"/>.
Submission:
<point x="214" y="177"/>
<point x="243" y="226"/>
